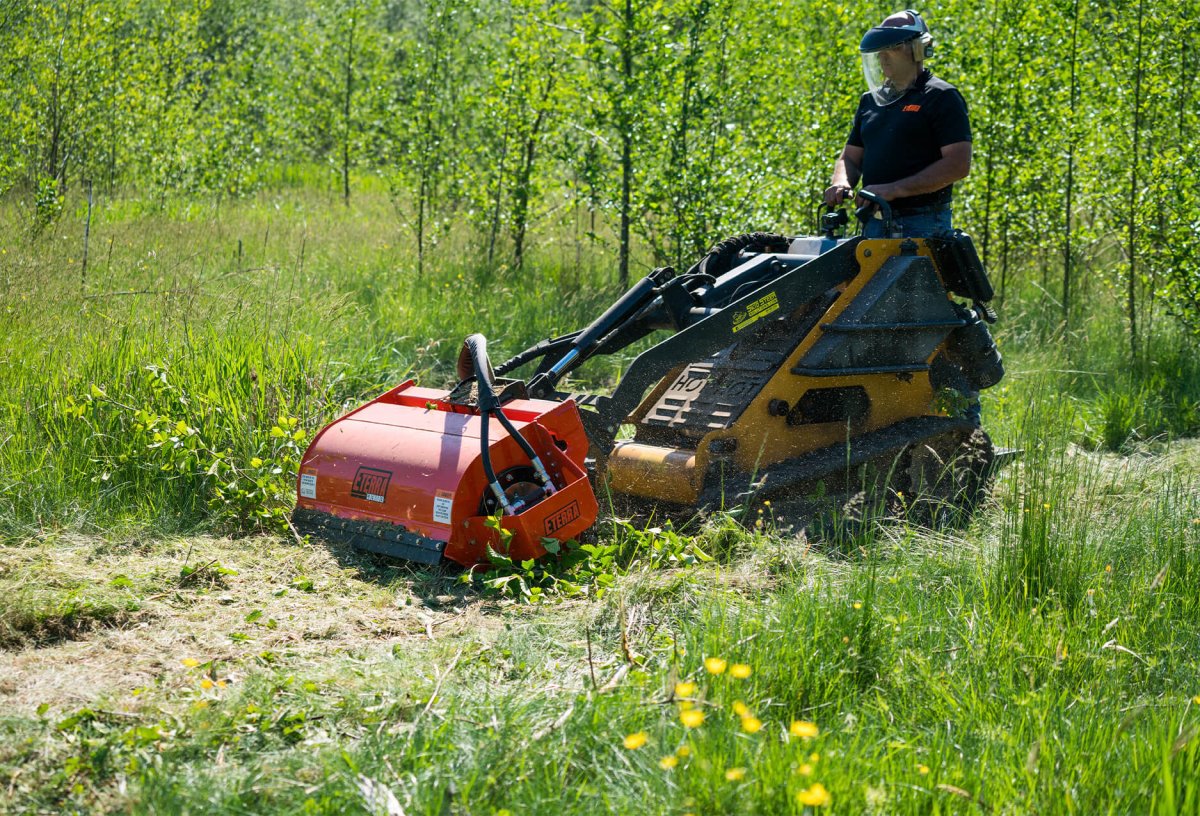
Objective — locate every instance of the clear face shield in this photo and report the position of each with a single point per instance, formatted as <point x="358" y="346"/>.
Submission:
<point x="898" y="63"/>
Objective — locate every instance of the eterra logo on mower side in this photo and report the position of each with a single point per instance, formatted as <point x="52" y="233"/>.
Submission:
<point x="562" y="518"/>
<point x="370" y="484"/>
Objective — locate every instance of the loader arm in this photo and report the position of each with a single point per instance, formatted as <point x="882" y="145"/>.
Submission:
<point x="710" y="329"/>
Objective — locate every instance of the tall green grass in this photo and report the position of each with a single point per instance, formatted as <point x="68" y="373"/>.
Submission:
<point x="144" y="392"/>
<point x="1041" y="660"/>
<point x="1115" y="403"/>
<point x="941" y="679"/>
<point x="217" y="326"/>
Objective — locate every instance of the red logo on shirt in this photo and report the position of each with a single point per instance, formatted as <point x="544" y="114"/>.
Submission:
<point x="911" y="108"/>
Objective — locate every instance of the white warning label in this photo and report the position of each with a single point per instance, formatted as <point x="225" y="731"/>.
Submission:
<point x="308" y="485"/>
<point x="443" y="506"/>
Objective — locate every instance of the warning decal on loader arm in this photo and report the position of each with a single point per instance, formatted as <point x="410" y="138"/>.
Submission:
<point x="755" y="311"/>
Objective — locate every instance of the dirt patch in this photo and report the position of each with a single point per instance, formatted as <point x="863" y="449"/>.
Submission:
<point x="230" y="605"/>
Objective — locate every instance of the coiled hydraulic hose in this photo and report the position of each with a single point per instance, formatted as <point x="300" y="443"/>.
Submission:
<point x="721" y="257"/>
<point x="473" y="361"/>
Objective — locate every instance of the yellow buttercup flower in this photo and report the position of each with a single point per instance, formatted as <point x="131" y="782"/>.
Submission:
<point x="739" y="670"/>
<point x="1196" y="699"/>
<point x="804" y="729"/>
<point x="692" y="718"/>
<point x="636" y="740"/>
<point x="751" y="725"/>
<point x="858" y="604"/>
<point x="685" y="689"/>
<point x="741" y="709"/>
<point x="206" y="683"/>
<point x="683" y="751"/>
<point x="714" y="665"/>
<point x="816" y="796"/>
<point x="190" y="662"/>
<point x="922" y="769"/>
<point x="814" y="757"/>
<point x="668" y="762"/>
<point x="735" y="774"/>
<point x="805" y="770"/>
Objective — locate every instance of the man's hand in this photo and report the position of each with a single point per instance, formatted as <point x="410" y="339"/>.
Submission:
<point x="846" y="173"/>
<point x="885" y="191"/>
<point x="835" y="194"/>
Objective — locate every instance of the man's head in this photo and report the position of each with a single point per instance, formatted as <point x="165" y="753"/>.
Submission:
<point x="892" y="54"/>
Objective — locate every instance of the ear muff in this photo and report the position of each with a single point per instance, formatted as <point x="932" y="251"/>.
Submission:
<point x="923" y="45"/>
<point x="922" y="48"/>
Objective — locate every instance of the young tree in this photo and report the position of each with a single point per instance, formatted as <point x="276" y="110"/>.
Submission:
<point x="618" y="82"/>
<point x="58" y="92"/>
<point x="520" y="112"/>
<point x="435" y="91"/>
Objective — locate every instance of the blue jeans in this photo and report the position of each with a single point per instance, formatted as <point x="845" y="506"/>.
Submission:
<point x="911" y="226"/>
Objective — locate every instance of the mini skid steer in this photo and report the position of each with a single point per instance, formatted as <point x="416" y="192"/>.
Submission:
<point x="816" y="372"/>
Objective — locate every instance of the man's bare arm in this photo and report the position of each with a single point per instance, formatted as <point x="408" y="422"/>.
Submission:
<point x="953" y="166"/>
<point x="847" y="170"/>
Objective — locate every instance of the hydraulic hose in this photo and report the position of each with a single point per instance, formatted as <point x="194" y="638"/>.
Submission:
<point x="474" y="354"/>
<point x="720" y="258"/>
<point x="534" y="352"/>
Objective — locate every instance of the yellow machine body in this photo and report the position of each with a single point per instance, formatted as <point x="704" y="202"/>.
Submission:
<point x="757" y="438"/>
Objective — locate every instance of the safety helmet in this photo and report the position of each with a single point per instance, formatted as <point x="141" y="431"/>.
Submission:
<point x="896" y="29"/>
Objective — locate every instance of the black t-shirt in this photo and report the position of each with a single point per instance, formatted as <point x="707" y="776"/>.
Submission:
<point x="907" y="136"/>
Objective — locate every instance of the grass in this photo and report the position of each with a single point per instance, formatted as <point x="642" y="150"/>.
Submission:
<point x="167" y="647"/>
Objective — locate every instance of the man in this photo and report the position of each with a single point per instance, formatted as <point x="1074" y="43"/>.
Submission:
<point x="911" y="138"/>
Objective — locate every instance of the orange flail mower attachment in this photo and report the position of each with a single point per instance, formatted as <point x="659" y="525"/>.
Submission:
<point x="403" y="476"/>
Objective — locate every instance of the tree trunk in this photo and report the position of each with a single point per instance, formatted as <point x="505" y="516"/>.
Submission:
<point x="1066" y="284"/>
<point x="1131" y="293"/>
<point x="500" y="166"/>
<point x="522" y="190"/>
<point x="346" y="126"/>
<point x="626" y="125"/>
<point x="421" y="194"/>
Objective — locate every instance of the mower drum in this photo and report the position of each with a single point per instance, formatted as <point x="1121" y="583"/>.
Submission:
<point x="403" y="476"/>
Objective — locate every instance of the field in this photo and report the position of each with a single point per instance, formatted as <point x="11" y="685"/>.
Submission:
<point x="169" y="645"/>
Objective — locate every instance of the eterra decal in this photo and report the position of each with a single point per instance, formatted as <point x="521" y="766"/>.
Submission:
<point x="562" y="518"/>
<point x="370" y="484"/>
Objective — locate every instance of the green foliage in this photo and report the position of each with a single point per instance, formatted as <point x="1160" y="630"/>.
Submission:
<point x="575" y="569"/>
<point x="651" y="128"/>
